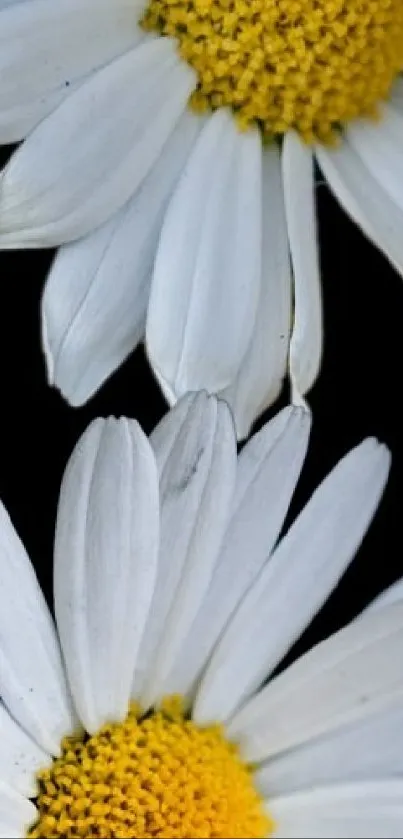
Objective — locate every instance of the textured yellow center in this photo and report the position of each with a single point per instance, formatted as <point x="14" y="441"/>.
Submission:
<point x="153" y="776"/>
<point x="310" y="65"/>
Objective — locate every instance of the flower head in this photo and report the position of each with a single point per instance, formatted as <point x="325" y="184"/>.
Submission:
<point x="148" y="712"/>
<point x="195" y="233"/>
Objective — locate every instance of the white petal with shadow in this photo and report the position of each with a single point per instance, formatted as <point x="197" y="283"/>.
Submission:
<point x="293" y="586"/>
<point x="84" y="161"/>
<point x="96" y="296"/>
<point x="63" y="43"/>
<point x="364" y="199"/>
<point x="355" y="673"/>
<point x="268" y="469"/>
<point x="264" y="366"/>
<point x="106" y="551"/>
<point x="206" y="280"/>
<point x="32" y="679"/>
<point x="20" y="756"/>
<point x="299" y="192"/>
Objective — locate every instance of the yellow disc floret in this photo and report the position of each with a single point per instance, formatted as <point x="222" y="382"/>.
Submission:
<point x="158" y="775"/>
<point x="310" y="65"/>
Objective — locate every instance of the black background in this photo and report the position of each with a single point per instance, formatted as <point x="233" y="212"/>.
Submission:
<point x="357" y="394"/>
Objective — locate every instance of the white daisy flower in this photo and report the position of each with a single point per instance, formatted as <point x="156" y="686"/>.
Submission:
<point x="185" y="230"/>
<point x="147" y="712"/>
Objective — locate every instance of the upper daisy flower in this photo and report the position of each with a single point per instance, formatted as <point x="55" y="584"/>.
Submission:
<point x="144" y="715"/>
<point x="175" y="140"/>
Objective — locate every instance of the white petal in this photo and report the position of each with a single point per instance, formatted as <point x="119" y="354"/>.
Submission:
<point x="209" y="525"/>
<point x="393" y="594"/>
<point x="306" y="339"/>
<point x="372" y="810"/>
<point x="362" y="197"/>
<point x="84" y="161"/>
<point x="370" y="748"/>
<point x="355" y="673"/>
<point x="63" y="42"/>
<point x="105" y="564"/>
<point x="17" y="814"/>
<point x="165" y="434"/>
<point x="260" y="378"/>
<point x="20" y="757"/>
<point x="296" y="582"/>
<point x="380" y="147"/>
<point x="187" y="524"/>
<point x="268" y="469"/>
<point x="207" y="273"/>
<point x="4" y="3"/>
<point x="95" y="299"/>
<point x="32" y="678"/>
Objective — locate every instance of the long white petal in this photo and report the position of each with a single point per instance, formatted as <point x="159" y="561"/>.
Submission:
<point x="20" y="757"/>
<point x="84" y="161"/>
<point x="379" y="146"/>
<point x="306" y="338"/>
<point x="105" y="564"/>
<point x="369" y="748"/>
<point x="207" y="273"/>
<point x="268" y="469"/>
<point x="296" y="582"/>
<point x="186" y="520"/>
<point x="364" y="199"/>
<point x="32" y="679"/>
<point x="96" y="296"/>
<point x="62" y="43"/>
<point x="261" y="375"/>
<point x="371" y="810"/>
<point x="208" y="527"/>
<point x="17" y="814"/>
<point x="355" y="673"/>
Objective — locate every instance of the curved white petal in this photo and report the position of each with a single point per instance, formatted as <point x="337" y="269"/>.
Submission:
<point x="166" y="433"/>
<point x="95" y="300"/>
<point x="380" y="147"/>
<point x="364" y="199"/>
<point x="20" y="757"/>
<point x="306" y="337"/>
<point x="62" y="43"/>
<point x="367" y="749"/>
<point x="260" y="377"/>
<point x="32" y="680"/>
<point x="194" y="510"/>
<point x="17" y="814"/>
<point x="207" y="273"/>
<point x="371" y="810"/>
<point x="352" y="675"/>
<point x="296" y="582"/>
<point x="105" y="564"/>
<point x="208" y="527"/>
<point x="84" y="161"/>
<point x="268" y="469"/>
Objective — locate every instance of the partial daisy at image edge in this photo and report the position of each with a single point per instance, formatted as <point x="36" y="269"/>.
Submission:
<point x="149" y="709"/>
<point x="181" y="226"/>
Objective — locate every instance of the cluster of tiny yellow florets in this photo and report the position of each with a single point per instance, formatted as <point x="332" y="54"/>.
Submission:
<point x="154" y="776"/>
<point x="310" y="65"/>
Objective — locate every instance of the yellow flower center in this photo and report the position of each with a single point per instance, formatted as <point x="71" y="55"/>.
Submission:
<point x="150" y="776"/>
<point x="310" y="65"/>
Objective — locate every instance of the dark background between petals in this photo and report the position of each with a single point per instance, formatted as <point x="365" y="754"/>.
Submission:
<point x="358" y="394"/>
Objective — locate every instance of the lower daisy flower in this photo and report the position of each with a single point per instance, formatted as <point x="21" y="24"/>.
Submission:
<point x="196" y="233"/>
<point x="150" y="711"/>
